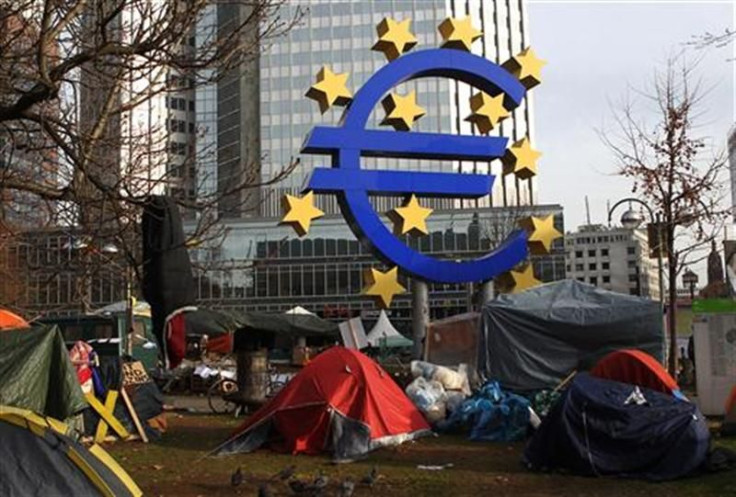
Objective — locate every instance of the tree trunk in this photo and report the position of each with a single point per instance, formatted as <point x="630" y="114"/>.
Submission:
<point x="672" y="307"/>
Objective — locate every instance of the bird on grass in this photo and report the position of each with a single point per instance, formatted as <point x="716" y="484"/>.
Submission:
<point x="264" y="490"/>
<point x="298" y="487"/>
<point x="319" y="484"/>
<point x="236" y="479"/>
<point x="370" y="478"/>
<point x="347" y="487"/>
<point x="285" y="473"/>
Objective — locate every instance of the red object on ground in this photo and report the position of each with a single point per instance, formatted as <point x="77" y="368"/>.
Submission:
<point x="342" y="402"/>
<point x="637" y="368"/>
<point x="11" y="321"/>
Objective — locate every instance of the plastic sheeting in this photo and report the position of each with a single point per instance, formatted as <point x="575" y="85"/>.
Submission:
<point x="534" y="339"/>
<point x="492" y="415"/>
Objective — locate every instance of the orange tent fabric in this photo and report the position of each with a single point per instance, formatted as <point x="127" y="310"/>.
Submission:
<point x="11" y="321"/>
<point x="637" y="368"/>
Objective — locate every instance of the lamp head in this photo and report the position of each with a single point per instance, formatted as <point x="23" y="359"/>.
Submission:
<point x="631" y="219"/>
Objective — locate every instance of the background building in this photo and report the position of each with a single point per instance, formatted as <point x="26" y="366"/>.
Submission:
<point x="262" y="266"/>
<point x="615" y="259"/>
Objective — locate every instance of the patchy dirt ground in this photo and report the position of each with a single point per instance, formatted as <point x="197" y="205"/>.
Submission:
<point x="177" y="466"/>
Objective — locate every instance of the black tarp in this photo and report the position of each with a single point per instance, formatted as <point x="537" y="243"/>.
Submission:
<point x="36" y="373"/>
<point x="534" y="339"/>
<point x="168" y="283"/>
<point x="593" y="431"/>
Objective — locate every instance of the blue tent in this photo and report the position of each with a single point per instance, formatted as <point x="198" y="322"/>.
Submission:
<point x="599" y="428"/>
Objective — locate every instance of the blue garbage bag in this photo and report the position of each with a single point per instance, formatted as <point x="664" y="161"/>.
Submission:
<point x="491" y="415"/>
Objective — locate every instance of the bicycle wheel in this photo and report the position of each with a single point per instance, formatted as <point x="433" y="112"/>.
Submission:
<point x="275" y="387"/>
<point x="216" y="396"/>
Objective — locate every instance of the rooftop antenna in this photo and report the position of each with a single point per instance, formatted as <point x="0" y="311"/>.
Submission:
<point x="608" y="209"/>
<point x="587" y="210"/>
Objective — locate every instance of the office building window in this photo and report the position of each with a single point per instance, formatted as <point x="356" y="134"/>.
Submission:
<point x="633" y="278"/>
<point x="631" y="250"/>
<point x="578" y="267"/>
<point x="592" y="266"/>
<point x="578" y="253"/>
<point x="605" y="266"/>
<point x="593" y="280"/>
<point x="591" y="253"/>
<point x="631" y="263"/>
<point x="606" y="279"/>
<point x="604" y="252"/>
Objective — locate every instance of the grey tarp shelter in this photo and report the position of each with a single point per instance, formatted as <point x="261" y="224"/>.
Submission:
<point x="37" y="374"/>
<point x="534" y="339"/>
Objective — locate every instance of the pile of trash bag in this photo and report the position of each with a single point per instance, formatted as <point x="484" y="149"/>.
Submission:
<point x="437" y="390"/>
<point x="490" y="415"/>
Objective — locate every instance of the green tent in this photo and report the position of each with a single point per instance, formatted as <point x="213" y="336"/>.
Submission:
<point x="36" y="373"/>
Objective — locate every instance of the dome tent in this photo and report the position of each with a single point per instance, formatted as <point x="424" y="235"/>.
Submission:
<point x="342" y="402"/>
<point x="636" y="368"/>
<point x="39" y="459"/>
<point x="602" y="427"/>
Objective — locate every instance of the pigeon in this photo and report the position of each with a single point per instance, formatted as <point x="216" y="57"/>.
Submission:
<point x="319" y="483"/>
<point x="236" y="479"/>
<point x="370" y="478"/>
<point x="347" y="487"/>
<point x="298" y="487"/>
<point x="264" y="490"/>
<point x="285" y="473"/>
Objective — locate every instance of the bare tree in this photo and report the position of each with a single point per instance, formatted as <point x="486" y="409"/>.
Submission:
<point x="673" y="171"/>
<point x="83" y="135"/>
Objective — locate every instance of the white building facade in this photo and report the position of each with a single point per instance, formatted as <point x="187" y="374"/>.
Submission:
<point x="615" y="259"/>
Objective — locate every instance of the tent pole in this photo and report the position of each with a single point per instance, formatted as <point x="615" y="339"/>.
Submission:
<point x="420" y="316"/>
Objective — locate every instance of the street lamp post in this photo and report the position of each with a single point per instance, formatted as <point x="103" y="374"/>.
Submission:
<point x="689" y="280"/>
<point x="631" y="219"/>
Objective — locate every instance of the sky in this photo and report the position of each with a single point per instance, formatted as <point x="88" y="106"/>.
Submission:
<point x="596" y="52"/>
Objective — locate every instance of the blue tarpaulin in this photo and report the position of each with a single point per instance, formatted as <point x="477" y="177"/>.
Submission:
<point x="492" y="415"/>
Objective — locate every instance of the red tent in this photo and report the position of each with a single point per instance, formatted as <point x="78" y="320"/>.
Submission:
<point x="342" y="402"/>
<point x="637" y="368"/>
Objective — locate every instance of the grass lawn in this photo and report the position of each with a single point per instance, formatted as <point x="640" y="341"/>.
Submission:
<point x="176" y="466"/>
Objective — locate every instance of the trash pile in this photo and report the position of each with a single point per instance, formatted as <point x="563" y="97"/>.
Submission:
<point x="445" y="398"/>
<point x="437" y="390"/>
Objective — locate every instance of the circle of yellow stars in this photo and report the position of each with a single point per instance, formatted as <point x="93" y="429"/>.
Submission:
<point x="395" y="38"/>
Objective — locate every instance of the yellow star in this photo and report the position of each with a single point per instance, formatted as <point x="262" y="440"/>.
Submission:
<point x="488" y="111"/>
<point x="383" y="286"/>
<point x="330" y="89"/>
<point x="394" y="38"/>
<point x="542" y="233"/>
<point x="412" y="217"/>
<point x="458" y="33"/>
<point x="300" y="211"/>
<point x="518" y="281"/>
<point x="521" y="159"/>
<point x="401" y="112"/>
<point x="526" y="67"/>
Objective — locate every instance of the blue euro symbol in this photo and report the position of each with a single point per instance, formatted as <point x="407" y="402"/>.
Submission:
<point x="352" y="185"/>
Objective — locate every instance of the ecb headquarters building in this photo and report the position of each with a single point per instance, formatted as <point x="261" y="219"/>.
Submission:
<point x="262" y="112"/>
